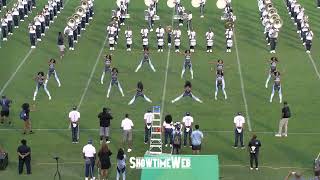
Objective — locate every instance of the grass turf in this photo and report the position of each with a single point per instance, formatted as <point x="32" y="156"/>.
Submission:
<point x="299" y="83"/>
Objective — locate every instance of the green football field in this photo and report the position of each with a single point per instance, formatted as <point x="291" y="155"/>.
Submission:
<point x="245" y="74"/>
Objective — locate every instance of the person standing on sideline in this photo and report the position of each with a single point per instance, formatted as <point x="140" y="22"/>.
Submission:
<point x="74" y="117"/>
<point x="25" y="116"/>
<point x="167" y="129"/>
<point x="89" y="155"/>
<point x="24" y="156"/>
<point x="285" y="115"/>
<point x="238" y="131"/>
<point x="177" y="136"/>
<point x="104" y="160"/>
<point x="127" y="126"/>
<point x="105" y="118"/>
<point x="148" y="118"/>
<point x="61" y="44"/>
<point x="196" y="139"/>
<point x="5" y="104"/>
<point x="121" y="164"/>
<point x="254" y="146"/>
<point x="187" y="120"/>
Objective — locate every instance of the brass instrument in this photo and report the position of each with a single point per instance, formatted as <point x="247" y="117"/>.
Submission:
<point x="273" y="18"/>
<point x="80" y="11"/>
<point x="277" y="23"/>
<point x="272" y="11"/>
<point x="84" y="4"/>
<point x="229" y="24"/>
<point x="71" y="22"/>
<point x="76" y="17"/>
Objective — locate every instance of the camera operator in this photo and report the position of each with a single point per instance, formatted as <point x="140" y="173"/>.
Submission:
<point x="105" y="118"/>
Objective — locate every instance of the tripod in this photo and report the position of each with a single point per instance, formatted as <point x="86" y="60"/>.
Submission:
<point x="57" y="171"/>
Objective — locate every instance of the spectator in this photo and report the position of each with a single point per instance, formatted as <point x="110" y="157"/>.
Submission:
<point x="5" y="104"/>
<point x="105" y="118"/>
<point x="196" y="140"/>
<point x="25" y="116"/>
<point x="127" y="126"/>
<point x="187" y="121"/>
<point x="238" y="131"/>
<point x="121" y="164"/>
<point x="177" y="136"/>
<point x="285" y="115"/>
<point x="24" y="156"/>
<point x="89" y="155"/>
<point x="148" y="118"/>
<point x="168" y="128"/>
<point x="74" y="117"/>
<point x="104" y="160"/>
<point x="254" y="147"/>
<point x="294" y="175"/>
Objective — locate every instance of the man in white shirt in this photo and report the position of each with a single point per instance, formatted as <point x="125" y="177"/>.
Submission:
<point x="239" y="127"/>
<point x="187" y="121"/>
<point x="89" y="155"/>
<point x="127" y="126"/>
<point x="74" y="117"/>
<point x="148" y="118"/>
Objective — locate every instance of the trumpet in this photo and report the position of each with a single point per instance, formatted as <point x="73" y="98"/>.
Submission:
<point x="229" y="24"/>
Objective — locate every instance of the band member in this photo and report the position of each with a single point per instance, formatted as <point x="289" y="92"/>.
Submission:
<point x="90" y="5"/>
<point x="42" y="21"/>
<point x="40" y="79"/>
<point x="160" y="34"/>
<point x="139" y="93"/>
<point x="10" y="22"/>
<point x="4" y="28"/>
<point x="83" y="22"/>
<point x="58" y="6"/>
<point x="181" y="10"/>
<point x="192" y="39"/>
<point x="187" y="93"/>
<point x="123" y="10"/>
<point x="114" y="81"/>
<point x="189" y="20"/>
<point x="209" y="38"/>
<point x="202" y="4"/>
<point x="21" y="10"/>
<point x="305" y="28"/>
<point x="177" y="4"/>
<point x="229" y="41"/>
<point x="229" y="44"/>
<point x="169" y="36"/>
<point x="75" y="33"/>
<point x="69" y="32"/>
<point x="187" y="63"/>
<point x="309" y="36"/>
<point x="151" y="13"/>
<point x="145" y="59"/>
<point x="276" y="86"/>
<point x="37" y="23"/>
<point x="61" y="44"/>
<point x="220" y="84"/>
<point x="25" y="7"/>
<point x="52" y="71"/>
<point x="107" y="67"/>
<point x="144" y="34"/>
<point x="32" y="35"/>
<point x="273" y="34"/>
<point x="128" y="34"/>
<point x="177" y="36"/>
<point x="15" y="14"/>
<point x="46" y="17"/>
<point x="111" y="43"/>
<point x="4" y="3"/>
<point x="273" y="68"/>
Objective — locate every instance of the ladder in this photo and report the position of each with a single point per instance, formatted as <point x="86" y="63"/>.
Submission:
<point x="156" y="138"/>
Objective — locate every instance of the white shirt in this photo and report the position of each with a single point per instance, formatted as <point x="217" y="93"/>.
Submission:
<point x="187" y="120"/>
<point x="165" y="125"/>
<point x="89" y="150"/>
<point x="144" y="32"/>
<point x="177" y="33"/>
<point x="126" y="124"/>
<point x="148" y="117"/>
<point x="160" y="32"/>
<point x="128" y="33"/>
<point x="74" y="116"/>
<point x="209" y="35"/>
<point x="239" y="121"/>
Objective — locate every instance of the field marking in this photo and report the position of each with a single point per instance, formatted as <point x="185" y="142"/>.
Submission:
<point x="15" y="72"/>
<point x="91" y="75"/>
<point x="166" y="75"/>
<point x="309" y="55"/>
<point x="242" y="84"/>
<point x="142" y="130"/>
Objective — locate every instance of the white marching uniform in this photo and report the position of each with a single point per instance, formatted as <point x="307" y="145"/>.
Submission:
<point x="209" y="38"/>
<point x="128" y="34"/>
<point x="144" y="32"/>
<point x="177" y="36"/>
<point x="111" y="43"/>
<point x="193" y="41"/>
<point x="160" y="32"/>
<point x="145" y="41"/>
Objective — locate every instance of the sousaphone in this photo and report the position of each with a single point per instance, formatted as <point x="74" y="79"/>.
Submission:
<point x="221" y="4"/>
<point x="148" y="2"/>
<point x="278" y="23"/>
<point x="170" y="3"/>
<point x="195" y="3"/>
<point x="80" y="11"/>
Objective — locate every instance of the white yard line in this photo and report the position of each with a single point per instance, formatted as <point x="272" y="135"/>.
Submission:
<point x="142" y="131"/>
<point x="166" y="75"/>
<point x="91" y="75"/>
<point x="15" y="72"/>
<point x="242" y="84"/>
